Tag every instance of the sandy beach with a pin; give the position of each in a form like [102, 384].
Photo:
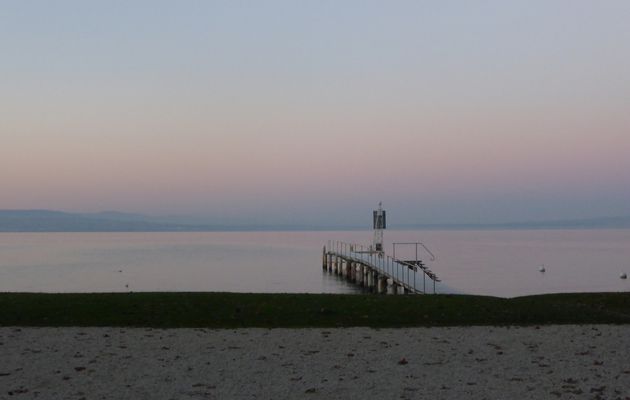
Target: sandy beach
[568, 362]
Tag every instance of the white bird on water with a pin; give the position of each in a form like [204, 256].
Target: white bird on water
[542, 268]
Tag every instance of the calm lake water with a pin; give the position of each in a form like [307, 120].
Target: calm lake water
[501, 263]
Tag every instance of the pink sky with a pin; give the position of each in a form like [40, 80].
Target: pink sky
[490, 113]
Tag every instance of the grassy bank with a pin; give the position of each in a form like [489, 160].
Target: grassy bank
[231, 310]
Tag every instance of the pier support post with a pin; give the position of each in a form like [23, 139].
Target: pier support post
[358, 274]
[371, 280]
[391, 286]
[330, 261]
[324, 259]
[382, 285]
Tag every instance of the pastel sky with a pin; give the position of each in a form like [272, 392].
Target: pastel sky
[313, 111]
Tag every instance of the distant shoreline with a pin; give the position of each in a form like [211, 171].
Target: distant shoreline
[322, 229]
[47, 221]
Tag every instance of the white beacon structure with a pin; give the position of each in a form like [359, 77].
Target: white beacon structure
[380, 223]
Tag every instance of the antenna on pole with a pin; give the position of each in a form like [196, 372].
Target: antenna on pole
[380, 224]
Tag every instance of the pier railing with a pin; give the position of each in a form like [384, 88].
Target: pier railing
[415, 277]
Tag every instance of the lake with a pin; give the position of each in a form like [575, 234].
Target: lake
[494, 262]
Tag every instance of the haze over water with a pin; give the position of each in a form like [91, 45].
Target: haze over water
[500, 263]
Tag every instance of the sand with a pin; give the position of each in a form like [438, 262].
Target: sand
[568, 362]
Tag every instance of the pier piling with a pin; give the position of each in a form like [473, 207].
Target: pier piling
[382, 284]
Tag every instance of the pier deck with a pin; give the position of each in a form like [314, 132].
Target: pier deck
[378, 271]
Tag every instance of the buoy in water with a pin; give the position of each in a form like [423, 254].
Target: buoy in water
[623, 275]
[542, 268]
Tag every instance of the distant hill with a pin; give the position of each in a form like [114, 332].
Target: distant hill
[117, 216]
[111, 221]
[56, 221]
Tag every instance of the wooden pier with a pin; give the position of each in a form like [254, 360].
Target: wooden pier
[378, 272]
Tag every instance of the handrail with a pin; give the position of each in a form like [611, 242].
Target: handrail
[433, 257]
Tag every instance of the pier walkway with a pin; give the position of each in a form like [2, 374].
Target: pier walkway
[378, 271]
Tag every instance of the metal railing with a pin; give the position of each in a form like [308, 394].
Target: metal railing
[409, 276]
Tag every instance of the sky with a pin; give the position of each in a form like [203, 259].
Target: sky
[312, 112]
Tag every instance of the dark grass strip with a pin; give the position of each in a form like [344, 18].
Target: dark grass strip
[234, 310]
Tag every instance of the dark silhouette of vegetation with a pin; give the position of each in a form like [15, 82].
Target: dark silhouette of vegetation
[232, 310]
